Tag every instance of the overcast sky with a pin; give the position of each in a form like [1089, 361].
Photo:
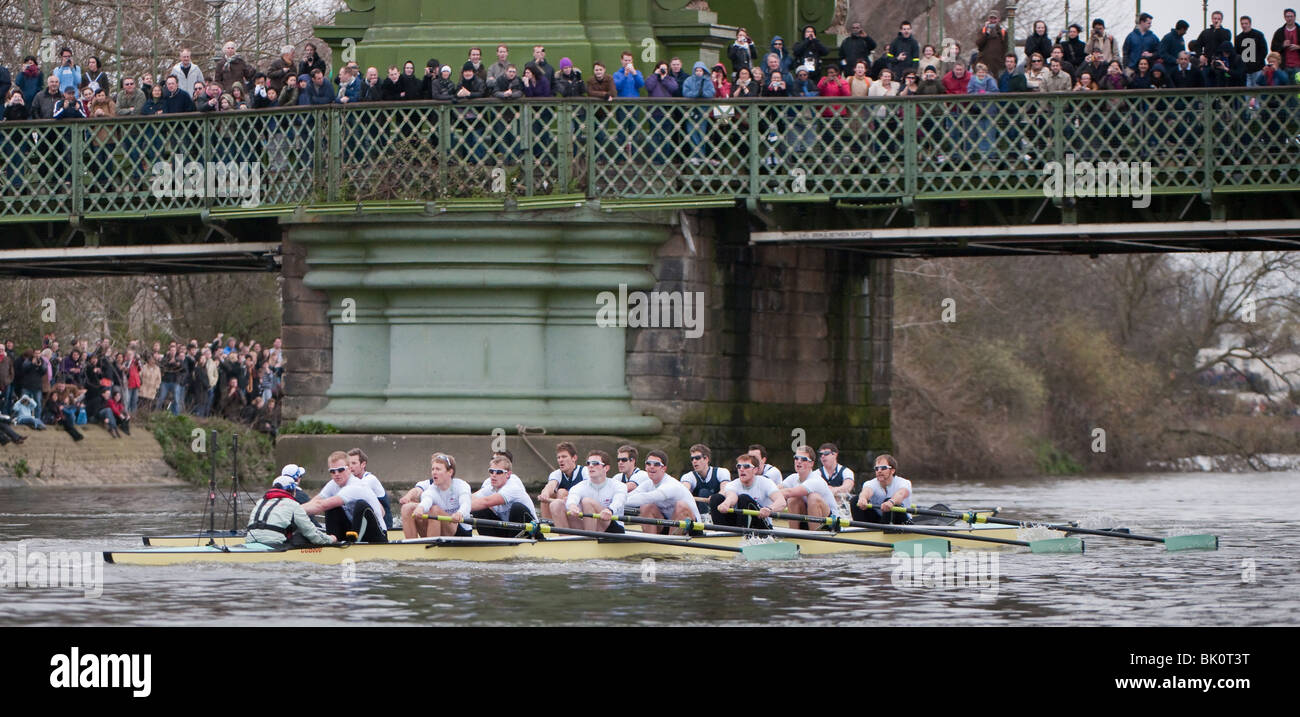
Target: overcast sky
[1267, 15]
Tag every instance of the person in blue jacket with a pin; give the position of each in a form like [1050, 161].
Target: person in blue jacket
[1141, 42]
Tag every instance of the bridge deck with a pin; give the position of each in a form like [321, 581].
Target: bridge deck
[644, 154]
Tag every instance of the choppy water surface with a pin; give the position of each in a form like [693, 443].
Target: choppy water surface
[1254, 579]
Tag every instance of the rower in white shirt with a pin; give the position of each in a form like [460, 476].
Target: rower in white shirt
[806, 492]
[502, 497]
[839, 478]
[357, 464]
[561, 480]
[749, 491]
[627, 469]
[762, 467]
[414, 526]
[704, 480]
[886, 490]
[447, 495]
[662, 496]
[348, 505]
[598, 494]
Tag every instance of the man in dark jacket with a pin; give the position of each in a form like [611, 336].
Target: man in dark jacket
[903, 43]
[1226, 69]
[810, 49]
[1250, 44]
[857, 46]
[174, 98]
[282, 70]
[677, 73]
[1185, 74]
[232, 68]
[1286, 42]
[1172, 44]
[509, 86]
[471, 85]
[542, 67]
[47, 99]
[318, 93]
[1211, 37]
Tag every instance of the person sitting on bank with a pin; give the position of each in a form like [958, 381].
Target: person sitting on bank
[279, 520]
[887, 489]
[348, 505]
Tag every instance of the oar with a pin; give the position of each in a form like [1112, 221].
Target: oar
[1054, 545]
[1202, 541]
[927, 546]
[766, 551]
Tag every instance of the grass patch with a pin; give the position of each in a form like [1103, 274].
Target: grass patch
[188, 448]
[308, 428]
[1053, 461]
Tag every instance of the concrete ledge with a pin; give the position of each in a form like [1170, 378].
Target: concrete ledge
[50, 458]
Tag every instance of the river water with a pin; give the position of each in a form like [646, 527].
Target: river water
[1253, 579]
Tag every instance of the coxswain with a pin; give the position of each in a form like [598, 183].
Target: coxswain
[295, 473]
[806, 492]
[663, 496]
[446, 495]
[598, 494]
[704, 480]
[628, 472]
[348, 505]
[502, 497]
[749, 491]
[357, 464]
[839, 478]
[279, 520]
[763, 468]
[561, 480]
[887, 489]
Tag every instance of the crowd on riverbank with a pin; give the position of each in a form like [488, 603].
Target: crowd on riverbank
[238, 380]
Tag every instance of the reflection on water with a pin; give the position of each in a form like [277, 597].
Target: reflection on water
[1114, 583]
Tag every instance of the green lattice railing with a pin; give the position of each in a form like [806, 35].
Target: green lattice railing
[647, 151]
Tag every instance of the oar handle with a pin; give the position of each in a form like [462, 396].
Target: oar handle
[901, 529]
[973, 518]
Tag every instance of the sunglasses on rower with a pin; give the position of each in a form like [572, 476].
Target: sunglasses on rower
[802, 458]
[654, 463]
[884, 468]
[745, 466]
[497, 471]
[337, 470]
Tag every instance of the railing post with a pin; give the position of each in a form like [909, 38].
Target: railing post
[589, 138]
[1058, 104]
[526, 142]
[910, 108]
[755, 148]
[76, 145]
[335, 154]
[1207, 149]
[442, 113]
[563, 146]
[206, 123]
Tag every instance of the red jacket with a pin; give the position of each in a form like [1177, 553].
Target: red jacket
[956, 85]
[118, 409]
[837, 88]
[133, 375]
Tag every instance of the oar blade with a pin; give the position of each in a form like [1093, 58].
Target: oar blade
[1192, 542]
[770, 551]
[921, 548]
[1056, 545]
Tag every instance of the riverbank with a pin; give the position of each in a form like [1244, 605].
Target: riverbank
[51, 459]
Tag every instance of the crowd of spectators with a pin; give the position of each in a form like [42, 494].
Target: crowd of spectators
[237, 380]
[1070, 61]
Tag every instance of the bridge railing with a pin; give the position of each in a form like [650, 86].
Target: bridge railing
[684, 151]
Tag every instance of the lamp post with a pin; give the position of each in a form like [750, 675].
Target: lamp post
[1011, 26]
[216, 6]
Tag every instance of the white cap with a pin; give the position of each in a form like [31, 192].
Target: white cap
[284, 483]
[293, 471]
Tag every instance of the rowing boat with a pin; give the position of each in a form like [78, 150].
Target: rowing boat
[484, 549]
[218, 537]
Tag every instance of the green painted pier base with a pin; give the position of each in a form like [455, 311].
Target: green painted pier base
[468, 324]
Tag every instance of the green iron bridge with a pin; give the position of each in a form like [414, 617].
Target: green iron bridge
[912, 176]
